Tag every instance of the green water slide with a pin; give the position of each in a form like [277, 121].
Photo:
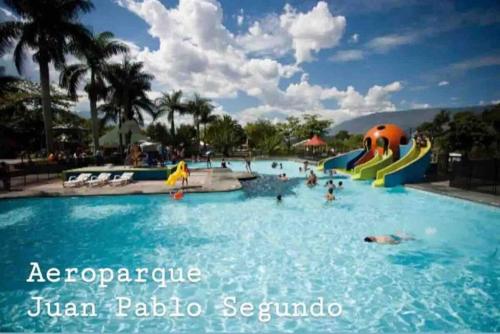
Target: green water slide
[376, 158]
[369, 170]
[410, 156]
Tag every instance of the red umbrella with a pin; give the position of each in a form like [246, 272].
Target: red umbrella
[315, 141]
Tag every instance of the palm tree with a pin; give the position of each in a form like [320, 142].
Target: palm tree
[170, 104]
[48, 27]
[95, 57]
[205, 118]
[199, 107]
[127, 94]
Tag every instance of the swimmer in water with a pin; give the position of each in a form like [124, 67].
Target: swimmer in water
[391, 239]
[178, 195]
[329, 195]
[279, 199]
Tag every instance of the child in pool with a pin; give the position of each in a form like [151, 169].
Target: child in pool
[329, 195]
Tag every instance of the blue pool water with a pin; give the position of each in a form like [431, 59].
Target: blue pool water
[248, 246]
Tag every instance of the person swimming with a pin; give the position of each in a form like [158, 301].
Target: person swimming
[330, 184]
[341, 185]
[279, 198]
[390, 239]
[329, 195]
[178, 195]
[312, 179]
[283, 177]
[223, 163]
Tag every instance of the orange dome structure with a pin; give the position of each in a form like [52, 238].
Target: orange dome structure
[383, 137]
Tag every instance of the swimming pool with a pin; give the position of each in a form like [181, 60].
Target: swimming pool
[248, 246]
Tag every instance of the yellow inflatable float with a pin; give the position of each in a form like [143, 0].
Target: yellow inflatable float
[180, 172]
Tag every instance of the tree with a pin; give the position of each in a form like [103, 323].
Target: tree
[313, 126]
[225, 134]
[200, 108]
[468, 131]
[49, 27]
[289, 130]
[258, 131]
[158, 132]
[21, 116]
[170, 104]
[206, 117]
[127, 94]
[95, 58]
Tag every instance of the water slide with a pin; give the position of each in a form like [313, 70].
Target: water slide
[341, 161]
[179, 173]
[369, 169]
[410, 168]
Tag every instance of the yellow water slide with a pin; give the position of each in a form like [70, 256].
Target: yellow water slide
[179, 173]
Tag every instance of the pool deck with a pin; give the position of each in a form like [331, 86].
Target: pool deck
[201, 180]
[443, 188]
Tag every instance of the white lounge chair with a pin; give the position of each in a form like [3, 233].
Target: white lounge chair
[100, 180]
[120, 180]
[77, 181]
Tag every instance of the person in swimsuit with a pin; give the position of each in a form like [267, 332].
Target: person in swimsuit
[390, 239]
[279, 199]
[177, 195]
[329, 195]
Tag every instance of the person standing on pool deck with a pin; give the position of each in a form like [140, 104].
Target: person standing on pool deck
[247, 164]
[209, 160]
[186, 179]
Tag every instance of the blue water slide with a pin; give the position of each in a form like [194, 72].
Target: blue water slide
[343, 160]
[413, 172]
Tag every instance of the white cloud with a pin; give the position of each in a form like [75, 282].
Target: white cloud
[388, 42]
[240, 19]
[474, 63]
[347, 55]
[354, 38]
[415, 105]
[304, 33]
[495, 102]
[7, 15]
[303, 97]
[197, 53]
[443, 83]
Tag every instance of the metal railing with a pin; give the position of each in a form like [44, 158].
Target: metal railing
[477, 175]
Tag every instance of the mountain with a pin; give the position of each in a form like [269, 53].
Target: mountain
[408, 120]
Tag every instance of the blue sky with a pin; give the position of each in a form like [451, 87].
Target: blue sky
[339, 58]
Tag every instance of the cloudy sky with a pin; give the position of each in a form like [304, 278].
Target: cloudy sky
[336, 58]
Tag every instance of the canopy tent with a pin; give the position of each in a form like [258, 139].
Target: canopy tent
[112, 139]
[315, 141]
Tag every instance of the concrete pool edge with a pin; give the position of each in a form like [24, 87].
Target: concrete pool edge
[201, 181]
[441, 189]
